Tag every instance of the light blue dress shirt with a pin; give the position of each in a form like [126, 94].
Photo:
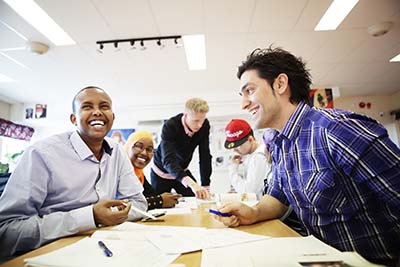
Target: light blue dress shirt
[52, 191]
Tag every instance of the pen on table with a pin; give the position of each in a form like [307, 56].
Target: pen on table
[105, 249]
[216, 212]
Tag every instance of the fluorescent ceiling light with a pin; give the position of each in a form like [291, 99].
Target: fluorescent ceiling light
[14, 30]
[195, 49]
[335, 14]
[14, 60]
[39, 19]
[395, 59]
[4, 78]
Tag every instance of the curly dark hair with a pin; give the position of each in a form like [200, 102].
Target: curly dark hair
[271, 62]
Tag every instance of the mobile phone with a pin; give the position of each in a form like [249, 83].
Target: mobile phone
[157, 215]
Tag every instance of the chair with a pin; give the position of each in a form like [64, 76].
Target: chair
[3, 181]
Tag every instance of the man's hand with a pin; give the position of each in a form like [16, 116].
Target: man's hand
[169, 199]
[237, 159]
[241, 214]
[105, 216]
[200, 192]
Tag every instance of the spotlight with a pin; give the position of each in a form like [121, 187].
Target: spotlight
[177, 44]
[133, 44]
[160, 45]
[142, 47]
[116, 47]
[100, 49]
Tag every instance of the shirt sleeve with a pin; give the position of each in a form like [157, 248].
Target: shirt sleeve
[168, 151]
[205, 157]
[22, 227]
[363, 150]
[274, 188]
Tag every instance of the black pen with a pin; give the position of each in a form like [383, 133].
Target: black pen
[105, 249]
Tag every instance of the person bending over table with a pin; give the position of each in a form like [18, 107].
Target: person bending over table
[180, 136]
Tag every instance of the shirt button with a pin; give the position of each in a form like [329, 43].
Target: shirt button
[97, 189]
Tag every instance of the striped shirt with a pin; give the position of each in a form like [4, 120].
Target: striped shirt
[341, 174]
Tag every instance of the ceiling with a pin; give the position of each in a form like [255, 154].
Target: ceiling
[154, 83]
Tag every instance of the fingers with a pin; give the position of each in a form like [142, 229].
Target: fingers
[203, 194]
[231, 221]
[104, 215]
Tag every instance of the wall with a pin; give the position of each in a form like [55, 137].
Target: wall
[381, 105]
[4, 110]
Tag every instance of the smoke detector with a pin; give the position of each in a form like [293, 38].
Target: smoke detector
[380, 28]
[37, 47]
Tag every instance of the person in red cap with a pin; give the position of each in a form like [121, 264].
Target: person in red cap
[250, 166]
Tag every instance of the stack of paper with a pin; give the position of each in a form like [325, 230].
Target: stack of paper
[179, 239]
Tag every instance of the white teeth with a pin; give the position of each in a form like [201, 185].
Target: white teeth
[94, 123]
[141, 159]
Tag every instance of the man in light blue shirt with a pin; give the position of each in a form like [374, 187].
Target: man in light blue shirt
[67, 183]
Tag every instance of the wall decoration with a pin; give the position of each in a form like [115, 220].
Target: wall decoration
[29, 113]
[321, 98]
[16, 131]
[120, 135]
[40, 111]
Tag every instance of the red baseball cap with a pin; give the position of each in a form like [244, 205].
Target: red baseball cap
[236, 133]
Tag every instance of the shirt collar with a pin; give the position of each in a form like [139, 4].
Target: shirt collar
[293, 125]
[187, 130]
[83, 150]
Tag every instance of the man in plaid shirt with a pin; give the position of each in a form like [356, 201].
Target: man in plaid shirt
[338, 170]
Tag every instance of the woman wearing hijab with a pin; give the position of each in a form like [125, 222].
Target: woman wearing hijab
[140, 149]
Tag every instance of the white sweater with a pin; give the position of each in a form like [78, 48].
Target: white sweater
[249, 176]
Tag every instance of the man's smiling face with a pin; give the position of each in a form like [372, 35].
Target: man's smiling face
[94, 116]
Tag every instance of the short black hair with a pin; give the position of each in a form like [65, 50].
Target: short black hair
[270, 62]
[80, 91]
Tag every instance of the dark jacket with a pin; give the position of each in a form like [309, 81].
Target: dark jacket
[175, 151]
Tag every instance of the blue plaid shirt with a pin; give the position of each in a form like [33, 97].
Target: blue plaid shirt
[341, 174]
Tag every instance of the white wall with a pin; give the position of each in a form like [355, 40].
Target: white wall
[4, 110]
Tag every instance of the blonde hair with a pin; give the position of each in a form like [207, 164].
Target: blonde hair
[196, 105]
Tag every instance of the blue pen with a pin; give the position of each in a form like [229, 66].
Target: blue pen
[216, 212]
[105, 249]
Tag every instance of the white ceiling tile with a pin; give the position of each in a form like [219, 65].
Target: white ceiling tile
[339, 45]
[79, 18]
[276, 15]
[228, 15]
[383, 47]
[128, 18]
[178, 16]
[369, 12]
[311, 14]
[306, 43]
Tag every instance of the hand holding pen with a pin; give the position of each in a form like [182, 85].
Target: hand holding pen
[105, 216]
[235, 214]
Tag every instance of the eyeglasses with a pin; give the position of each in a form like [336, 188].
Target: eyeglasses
[140, 147]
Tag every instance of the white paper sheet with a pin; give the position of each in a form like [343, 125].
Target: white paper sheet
[86, 252]
[277, 252]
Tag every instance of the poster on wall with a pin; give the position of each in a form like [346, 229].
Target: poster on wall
[120, 135]
[321, 98]
[40, 111]
[29, 113]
